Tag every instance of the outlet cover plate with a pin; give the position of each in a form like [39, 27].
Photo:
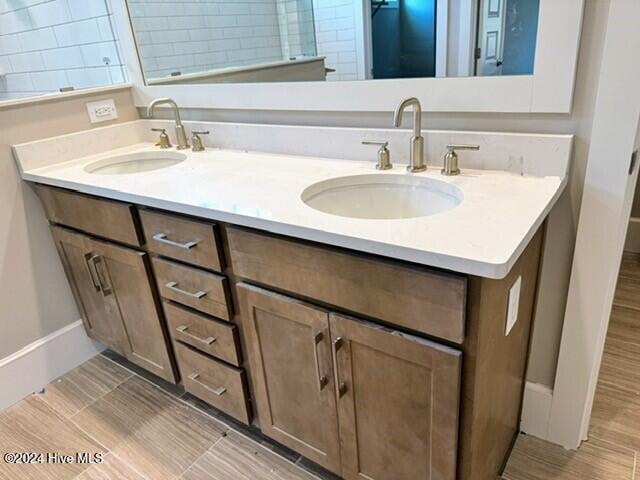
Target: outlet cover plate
[102, 111]
[514, 304]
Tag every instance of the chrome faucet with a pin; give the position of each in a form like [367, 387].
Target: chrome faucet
[181, 136]
[416, 160]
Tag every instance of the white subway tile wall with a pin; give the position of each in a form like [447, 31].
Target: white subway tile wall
[335, 24]
[190, 36]
[47, 45]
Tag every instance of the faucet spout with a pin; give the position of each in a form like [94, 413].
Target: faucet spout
[180, 132]
[416, 161]
[417, 114]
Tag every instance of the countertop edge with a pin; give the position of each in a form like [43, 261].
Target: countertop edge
[465, 266]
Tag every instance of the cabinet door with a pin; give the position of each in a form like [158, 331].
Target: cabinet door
[125, 276]
[290, 354]
[100, 316]
[398, 399]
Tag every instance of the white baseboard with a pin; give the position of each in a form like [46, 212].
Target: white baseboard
[32, 367]
[536, 410]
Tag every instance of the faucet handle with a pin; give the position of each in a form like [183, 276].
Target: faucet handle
[196, 141]
[384, 155]
[451, 158]
[462, 146]
[163, 139]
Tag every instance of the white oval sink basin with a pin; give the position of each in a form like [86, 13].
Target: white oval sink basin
[383, 196]
[137, 162]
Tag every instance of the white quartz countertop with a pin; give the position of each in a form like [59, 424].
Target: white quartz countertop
[482, 236]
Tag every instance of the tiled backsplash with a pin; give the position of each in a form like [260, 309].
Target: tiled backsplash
[46, 45]
[526, 154]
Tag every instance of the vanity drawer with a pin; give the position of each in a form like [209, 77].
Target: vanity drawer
[416, 298]
[194, 288]
[104, 218]
[187, 240]
[218, 339]
[220, 385]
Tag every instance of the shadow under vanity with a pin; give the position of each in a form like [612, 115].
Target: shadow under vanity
[370, 367]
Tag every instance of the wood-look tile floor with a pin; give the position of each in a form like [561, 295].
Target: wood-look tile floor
[145, 431]
[613, 449]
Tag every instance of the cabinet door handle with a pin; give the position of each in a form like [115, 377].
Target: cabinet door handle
[216, 391]
[183, 330]
[174, 286]
[322, 379]
[342, 386]
[105, 286]
[162, 238]
[88, 260]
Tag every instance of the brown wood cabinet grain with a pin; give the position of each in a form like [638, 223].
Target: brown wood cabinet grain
[127, 274]
[112, 287]
[218, 339]
[184, 239]
[99, 313]
[419, 299]
[195, 288]
[289, 347]
[219, 384]
[398, 403]
[97, 216]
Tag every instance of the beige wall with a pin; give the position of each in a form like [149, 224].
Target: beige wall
[35, 299]
[563, 220]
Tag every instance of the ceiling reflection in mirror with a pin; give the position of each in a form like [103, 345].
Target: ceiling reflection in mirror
[244, 41]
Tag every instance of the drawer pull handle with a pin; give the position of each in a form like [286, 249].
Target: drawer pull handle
[322, 379]
[183, 329]
[174, 286]
[88, 260]
[105, 285]
[216, 391]
[342, 386]
[162, 238]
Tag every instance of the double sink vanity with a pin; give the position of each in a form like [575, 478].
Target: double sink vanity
[376, 321]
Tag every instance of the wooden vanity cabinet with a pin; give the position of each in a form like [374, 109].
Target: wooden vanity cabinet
[97, 308]
[396, 396]
[398, 403]
[97, 216]
[425, 385]
[409, 408]
[289, 346]
[113, 292]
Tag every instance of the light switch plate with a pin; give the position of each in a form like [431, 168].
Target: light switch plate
[514, 304]
[102, 111]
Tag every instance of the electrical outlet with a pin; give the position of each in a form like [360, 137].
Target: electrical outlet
[102, 111]
[514, 304]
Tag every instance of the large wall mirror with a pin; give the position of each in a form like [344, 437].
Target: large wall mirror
[354, 55]
[248, 41]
